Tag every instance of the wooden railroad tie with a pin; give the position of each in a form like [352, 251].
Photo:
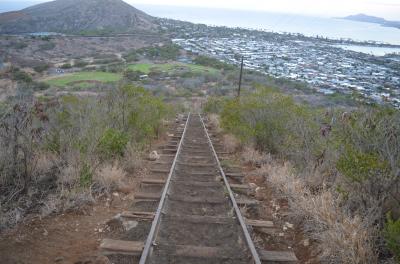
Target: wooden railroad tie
[277, 256]
[135, 248]
[197, 219]
[120, 247]
[169, 150]
[167, 155]
[154, 181]
[138, 215]
[148, 196]
[159, 170]
[194, 164]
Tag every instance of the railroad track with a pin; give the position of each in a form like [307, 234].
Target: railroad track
[187, 211]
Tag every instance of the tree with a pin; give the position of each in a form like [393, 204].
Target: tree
[132, 75]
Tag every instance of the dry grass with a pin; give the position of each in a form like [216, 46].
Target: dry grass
[52, 204]
[214, 122]
[231, 144]
[110, 177]
[253, 157]
[341, 238]
[44, 165]
[69, 174]
[132, 161]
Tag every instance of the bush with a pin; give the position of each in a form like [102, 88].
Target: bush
[358, 166]
[131, 56]
[41, 67]
[214, 105]
[167, 52]
[18, 75]
[80, 63]
[113, 143]
[132, 75]
[340, 237]
[66, 66]
[354, 154]
[392, 236]
[115, 68]
[85, 176]
[110, 177]
[68, 139]
[45, 38]
[214, 63]
[40, 86]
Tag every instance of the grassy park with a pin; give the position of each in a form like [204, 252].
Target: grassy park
[83, 78]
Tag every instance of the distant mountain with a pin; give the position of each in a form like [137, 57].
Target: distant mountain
[373, 19]
[73, 16]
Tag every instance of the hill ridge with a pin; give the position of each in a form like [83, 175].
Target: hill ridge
[373, 19]
[73, 16]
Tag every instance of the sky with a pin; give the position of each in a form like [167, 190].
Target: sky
[389, 9]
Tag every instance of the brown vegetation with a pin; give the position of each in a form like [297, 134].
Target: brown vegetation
[61, 154]
[343, 173]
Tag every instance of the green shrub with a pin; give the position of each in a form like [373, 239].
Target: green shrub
[18, 75]
[41, 67]
[359, 166]
[392, 236]
[113, 143]
[52, 142]
[132, 75]
[274, 122]
[40, 86]
[214, 105]
[115, 68]
[85, 176]
[45, 38]
[131, 56]
[354, 154]
[212, 62]
[80, 63]
[66, 66]
[167, 52]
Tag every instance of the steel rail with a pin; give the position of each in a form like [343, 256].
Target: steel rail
[249, 241]
[157, 217]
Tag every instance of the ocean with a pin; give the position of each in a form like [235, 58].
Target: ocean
[277, 22]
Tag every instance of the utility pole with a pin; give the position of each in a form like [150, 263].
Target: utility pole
[241, 75]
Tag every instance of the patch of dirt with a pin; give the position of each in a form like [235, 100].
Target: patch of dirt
[67, 238]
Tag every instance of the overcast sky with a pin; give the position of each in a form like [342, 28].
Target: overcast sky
[389, 9]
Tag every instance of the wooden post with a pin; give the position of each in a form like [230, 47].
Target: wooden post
[241, 75]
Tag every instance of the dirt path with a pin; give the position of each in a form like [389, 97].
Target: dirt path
[67, 238]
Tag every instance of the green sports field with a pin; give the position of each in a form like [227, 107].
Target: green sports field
[84, 79]
[88, 79]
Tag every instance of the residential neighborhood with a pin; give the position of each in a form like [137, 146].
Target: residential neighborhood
[323, 66]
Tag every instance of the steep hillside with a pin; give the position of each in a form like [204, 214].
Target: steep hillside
[76, 16]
